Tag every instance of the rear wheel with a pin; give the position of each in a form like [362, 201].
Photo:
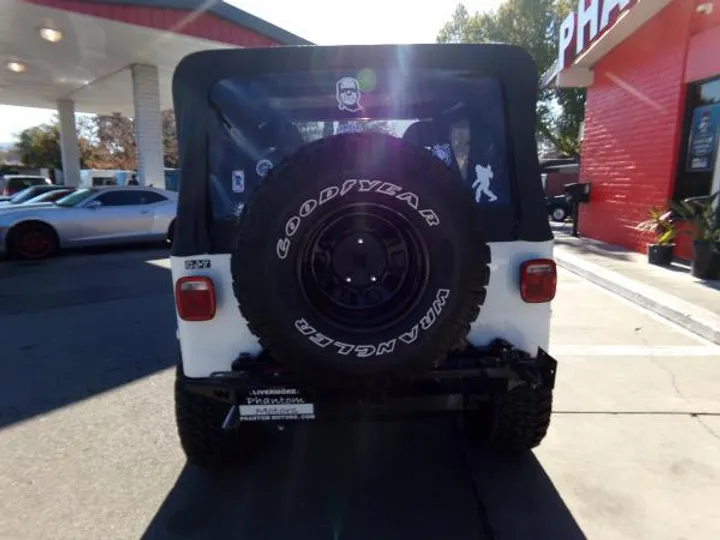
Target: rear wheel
[520, 419]
[205, 443]
[559, 214]
[32, 241]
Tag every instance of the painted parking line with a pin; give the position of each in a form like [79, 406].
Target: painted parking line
[640, 309]
[634, 350]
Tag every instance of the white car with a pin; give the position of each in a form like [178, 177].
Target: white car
[88, 217]
[28, 195]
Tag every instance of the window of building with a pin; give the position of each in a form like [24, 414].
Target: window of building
[699, 145]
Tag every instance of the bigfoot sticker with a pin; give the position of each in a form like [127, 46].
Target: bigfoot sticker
[348, 94]
[481, 185]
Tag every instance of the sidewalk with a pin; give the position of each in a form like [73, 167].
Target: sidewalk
[670, 292]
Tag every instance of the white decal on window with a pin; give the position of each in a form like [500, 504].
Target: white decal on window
[293, 224]
[481, 185]
[238, 181]
[385, 347]
[443, 153]
[263, 167]
[349, 127]
[348, 94]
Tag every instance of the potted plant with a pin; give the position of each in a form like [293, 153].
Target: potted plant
[702, 217]
[659, 223]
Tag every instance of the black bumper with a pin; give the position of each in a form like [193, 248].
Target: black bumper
[263, 392]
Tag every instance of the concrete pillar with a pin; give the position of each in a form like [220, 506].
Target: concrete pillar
[148, 135]
[68, 143]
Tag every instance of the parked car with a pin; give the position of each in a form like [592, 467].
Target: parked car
[558, 208]
[10, 184]
[89, 217]
[29, 193]
[50, 196]
[100, 177]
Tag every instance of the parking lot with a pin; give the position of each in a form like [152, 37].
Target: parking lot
[88, 447]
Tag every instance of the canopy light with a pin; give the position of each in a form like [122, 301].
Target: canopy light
[50, 34]
[15, 66]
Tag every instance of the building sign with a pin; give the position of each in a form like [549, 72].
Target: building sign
[579, 30]
[703, 138]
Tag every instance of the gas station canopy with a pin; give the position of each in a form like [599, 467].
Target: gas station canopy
[114, 56]
[99, 40]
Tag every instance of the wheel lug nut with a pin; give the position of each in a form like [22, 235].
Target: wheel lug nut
[360, 241]
[373, 278]
[348, 279]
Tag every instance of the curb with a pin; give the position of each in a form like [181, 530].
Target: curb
[686, 315]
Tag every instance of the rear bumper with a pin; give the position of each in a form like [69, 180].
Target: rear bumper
[262, 392]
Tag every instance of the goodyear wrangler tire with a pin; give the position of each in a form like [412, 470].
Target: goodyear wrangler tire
[360, 255]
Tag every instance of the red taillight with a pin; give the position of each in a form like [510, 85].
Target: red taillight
[538, 280]
[195, 298]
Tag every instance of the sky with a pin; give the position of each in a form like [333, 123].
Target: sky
[322, 22]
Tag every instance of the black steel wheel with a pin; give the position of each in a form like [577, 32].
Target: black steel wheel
[363, 267]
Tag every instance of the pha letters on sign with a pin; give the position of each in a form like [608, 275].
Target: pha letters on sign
[580, 29]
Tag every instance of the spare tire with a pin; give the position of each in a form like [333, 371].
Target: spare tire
[360, 254]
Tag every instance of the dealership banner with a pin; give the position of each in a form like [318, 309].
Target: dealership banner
[703, 138]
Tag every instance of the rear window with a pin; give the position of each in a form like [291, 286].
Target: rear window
[458, 116]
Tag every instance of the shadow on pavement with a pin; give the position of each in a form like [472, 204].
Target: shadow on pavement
[367, 481]
[74, 327]
[521, 499]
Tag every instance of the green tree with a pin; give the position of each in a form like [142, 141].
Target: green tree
[533, 25]
[169, 136]
[115, 141]
[39, 146]
[104, 142]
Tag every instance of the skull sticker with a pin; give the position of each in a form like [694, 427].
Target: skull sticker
[348, 94]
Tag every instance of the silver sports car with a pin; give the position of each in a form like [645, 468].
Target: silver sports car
[89, 217]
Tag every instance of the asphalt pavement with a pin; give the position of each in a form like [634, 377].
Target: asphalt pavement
[88, 447]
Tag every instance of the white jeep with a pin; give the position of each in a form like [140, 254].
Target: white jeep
[361, 233]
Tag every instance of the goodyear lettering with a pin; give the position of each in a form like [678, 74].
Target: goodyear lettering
[292, 225]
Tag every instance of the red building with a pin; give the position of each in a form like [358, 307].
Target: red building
[652, 116]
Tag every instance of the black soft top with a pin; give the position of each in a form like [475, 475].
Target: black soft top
[197, 94]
